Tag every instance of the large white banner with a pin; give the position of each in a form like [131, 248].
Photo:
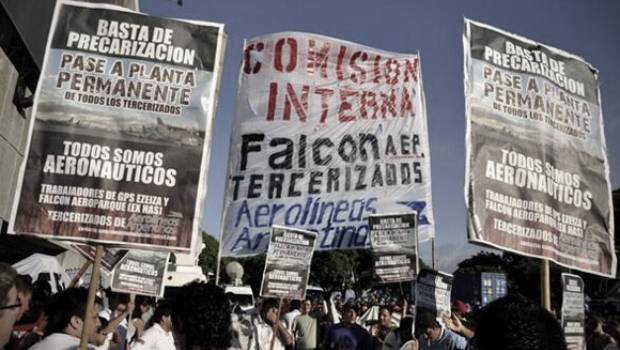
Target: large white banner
[537, 179]
[326, 133]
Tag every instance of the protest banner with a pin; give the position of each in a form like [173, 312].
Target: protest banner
[432, 292]
[573, 311]
[119, 142]
[537, 176]
[141, 272]
[287, 266]
[109, 259]
[394, 247]
[493, 285]
[326, 132]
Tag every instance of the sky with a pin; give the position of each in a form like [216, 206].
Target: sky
[586, 28]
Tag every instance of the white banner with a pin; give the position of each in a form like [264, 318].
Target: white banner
[326, 133]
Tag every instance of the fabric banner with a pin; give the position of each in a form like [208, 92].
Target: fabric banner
[326, 133]
[573, 311]
[119, 142]
[141, 272]
[394, 247]
[109, 259]
[537, 176]
[432, 292]
[287, 267]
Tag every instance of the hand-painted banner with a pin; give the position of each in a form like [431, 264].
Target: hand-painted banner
[326, 133]
[573, 311]
[432, 292]
[141, 272]
[109, 259]
[537, 179]
[120, 137]
[394, 247]
[287, 267]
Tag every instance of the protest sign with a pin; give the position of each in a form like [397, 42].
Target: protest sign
[118, 145]
[573, 311]
[141, 272]
[287, 266]
[537, 178]
[326, 133]
[493, 285]
[432, 292]
[394, 247]
[110, 257]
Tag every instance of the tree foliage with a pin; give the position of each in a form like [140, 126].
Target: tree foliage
[207, 259]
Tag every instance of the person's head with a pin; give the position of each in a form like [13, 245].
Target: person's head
[24, 293]
[295, 305]
[460, 308]
[118, 303]
[66, 313]
[202, 316]
[427, 324]
[385, 317]
[163, 316]
[269, 309]
[516, 323]
[306, 306]
[349, 314]
[145, 303]
[594, 325]
[612, 327]
[99, 337]
[9, 302]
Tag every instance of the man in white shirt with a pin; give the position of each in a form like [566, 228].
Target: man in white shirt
[65, 321]
[290, 316]
[264, 328]
[159, 336]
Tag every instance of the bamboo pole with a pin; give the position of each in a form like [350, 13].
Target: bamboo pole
[90, 303]
[275, 326]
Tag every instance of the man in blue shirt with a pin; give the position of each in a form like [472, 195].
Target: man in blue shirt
[347, 335]
[435, 336]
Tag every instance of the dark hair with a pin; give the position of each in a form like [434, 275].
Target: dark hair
[425, 319]
[202, 316]
[23, 285]
[387, 308]
[295, 304]
[64, 305]
[8, 277]
[349, 306]
[164, 308]
[116, 299]
[103, 324]
[268, 304]
[516, 323]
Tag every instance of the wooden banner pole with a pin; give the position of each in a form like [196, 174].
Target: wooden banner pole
[275, 325]
[80, 273]
[545, 285]
[434, 262]
[90, 304]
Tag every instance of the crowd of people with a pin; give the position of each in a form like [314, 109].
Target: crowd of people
[202, 316]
